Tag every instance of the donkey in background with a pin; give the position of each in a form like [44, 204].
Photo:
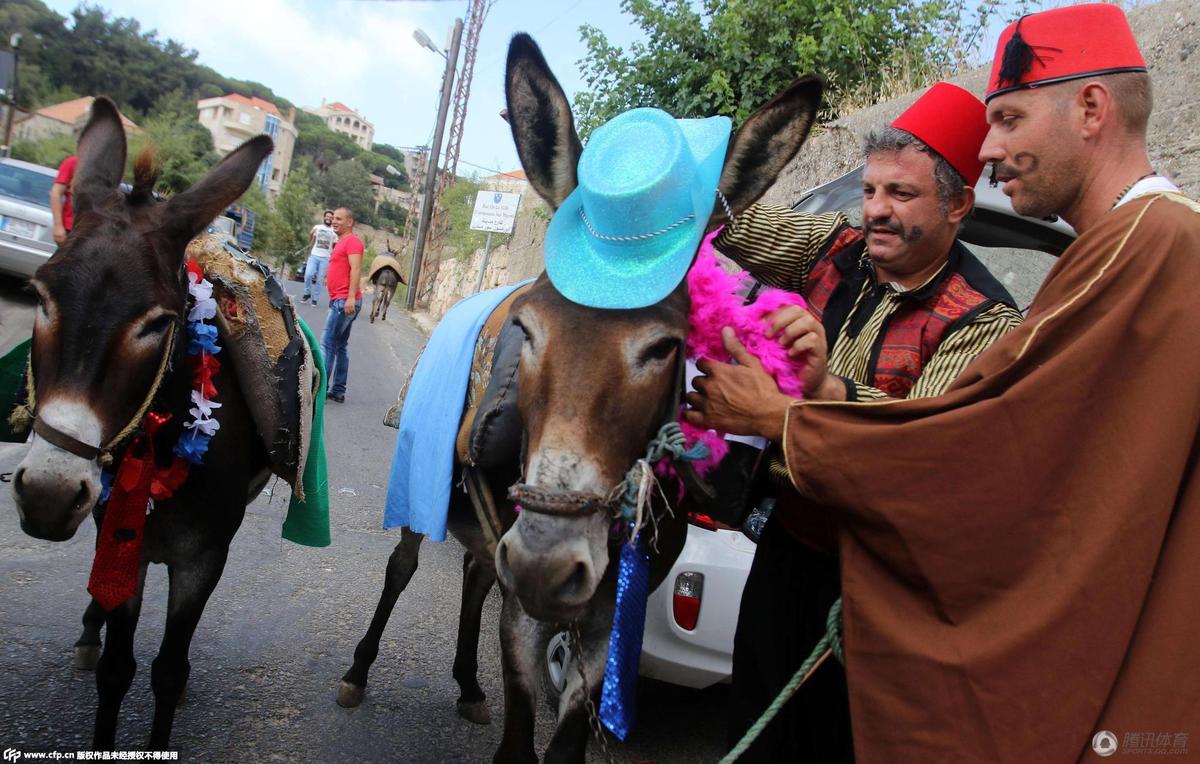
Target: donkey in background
[107, 300]
[594, 387]
[386, 279]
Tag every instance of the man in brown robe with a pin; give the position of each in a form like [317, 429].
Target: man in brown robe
[1021, 555]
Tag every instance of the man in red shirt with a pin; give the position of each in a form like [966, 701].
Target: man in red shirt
[345, 265]
[60, 199]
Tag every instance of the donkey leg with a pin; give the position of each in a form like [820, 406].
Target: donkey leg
[477, 582]
[400, 568]
[519, 637]
[570, 740]
[116, 667]
[87, 647]
[387, 302]
[375, 305]
[191, 584]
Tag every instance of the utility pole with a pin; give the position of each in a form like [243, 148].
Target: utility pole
[431, 174]
[15, 42]
[477, 11]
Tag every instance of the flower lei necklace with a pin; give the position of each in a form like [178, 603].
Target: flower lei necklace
[131, 487]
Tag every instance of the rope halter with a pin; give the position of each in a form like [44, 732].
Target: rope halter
[622, 502]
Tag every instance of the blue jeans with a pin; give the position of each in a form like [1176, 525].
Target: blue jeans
[335, 343]
[314, 276]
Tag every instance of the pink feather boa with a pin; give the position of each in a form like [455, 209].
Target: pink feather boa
[717, 302]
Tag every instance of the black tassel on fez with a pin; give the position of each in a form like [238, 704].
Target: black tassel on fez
[1018, 58]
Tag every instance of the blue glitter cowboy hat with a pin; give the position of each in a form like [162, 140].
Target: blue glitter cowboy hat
[626, 235]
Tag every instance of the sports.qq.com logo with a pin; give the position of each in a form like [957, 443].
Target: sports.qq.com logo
[1104, 743]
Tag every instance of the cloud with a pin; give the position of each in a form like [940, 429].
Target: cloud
[350, 52]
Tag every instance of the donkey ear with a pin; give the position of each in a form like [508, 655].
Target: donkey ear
[189, 212]
[101, 157]
[542, 125]
[767, 141]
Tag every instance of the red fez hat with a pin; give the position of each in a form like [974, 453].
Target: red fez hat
[1064, 44]
[952, 122]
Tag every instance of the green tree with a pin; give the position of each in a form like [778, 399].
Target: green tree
[294, 211]
[459, 203]
[100, 54]
[182, 146]
[716, 57]
[48, 152]
[390, 216]
[346, 184]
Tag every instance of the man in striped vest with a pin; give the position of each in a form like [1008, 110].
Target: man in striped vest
[898, 308]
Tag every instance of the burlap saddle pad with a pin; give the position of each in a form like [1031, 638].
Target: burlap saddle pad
[260, 336]
[384, 261]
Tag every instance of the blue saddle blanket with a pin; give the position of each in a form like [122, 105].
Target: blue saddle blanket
[418, 494]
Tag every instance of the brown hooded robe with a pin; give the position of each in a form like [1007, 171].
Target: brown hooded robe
[1021, 556]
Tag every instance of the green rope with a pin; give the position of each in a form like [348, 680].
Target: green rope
[830, 643]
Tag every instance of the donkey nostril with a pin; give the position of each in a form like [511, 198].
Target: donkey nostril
[573, 586]
[502, 557]
[82, 497]
[19, 481]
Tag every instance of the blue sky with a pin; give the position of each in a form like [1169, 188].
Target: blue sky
[362, 52]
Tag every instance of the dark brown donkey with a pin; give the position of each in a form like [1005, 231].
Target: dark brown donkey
[107, 301]
[594, 387]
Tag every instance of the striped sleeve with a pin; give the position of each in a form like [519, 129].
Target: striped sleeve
[955, 352]
[777, 245]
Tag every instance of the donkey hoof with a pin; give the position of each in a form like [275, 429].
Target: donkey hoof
[349, 695]
[476, 712]
[86, 657]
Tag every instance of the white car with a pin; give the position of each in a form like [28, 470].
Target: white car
[26, 223]
[691, 618]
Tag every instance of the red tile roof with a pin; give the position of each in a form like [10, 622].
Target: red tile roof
[77, 110]
[255, 102]
[514, 174]
[339, 106]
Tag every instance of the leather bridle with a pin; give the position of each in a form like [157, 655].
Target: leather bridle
[576, 504]
[103, 454]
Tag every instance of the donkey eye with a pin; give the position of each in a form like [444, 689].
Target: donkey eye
[158, 325]
[524, 330]
[660, 350]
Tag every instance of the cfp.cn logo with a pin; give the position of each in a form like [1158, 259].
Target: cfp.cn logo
[11, 754]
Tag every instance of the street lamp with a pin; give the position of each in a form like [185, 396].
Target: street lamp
[424, 41]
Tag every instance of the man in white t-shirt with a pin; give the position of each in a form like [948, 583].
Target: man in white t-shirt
[322, 237]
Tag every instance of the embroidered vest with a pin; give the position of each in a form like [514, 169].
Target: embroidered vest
[925, 317]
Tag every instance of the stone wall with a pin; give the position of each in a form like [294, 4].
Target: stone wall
[519, 259]
[1168, 33]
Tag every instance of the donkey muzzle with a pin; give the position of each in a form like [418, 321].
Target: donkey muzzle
[553, 563]
[56, 489]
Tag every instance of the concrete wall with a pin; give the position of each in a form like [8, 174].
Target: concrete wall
[1169, 35]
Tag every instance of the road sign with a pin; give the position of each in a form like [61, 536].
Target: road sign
[495, 212]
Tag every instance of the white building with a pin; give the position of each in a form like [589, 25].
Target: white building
[342, 119]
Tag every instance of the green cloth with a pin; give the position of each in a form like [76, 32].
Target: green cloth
[307, 521]
[12, 389]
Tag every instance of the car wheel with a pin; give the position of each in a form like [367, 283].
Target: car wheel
[557, 668]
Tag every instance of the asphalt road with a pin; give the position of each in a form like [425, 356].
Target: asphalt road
[281, 627]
